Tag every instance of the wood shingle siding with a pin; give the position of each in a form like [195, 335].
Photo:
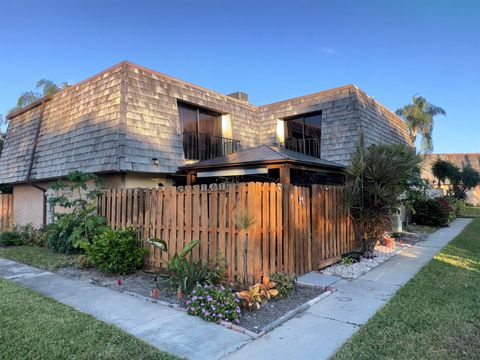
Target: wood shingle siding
[122, 118]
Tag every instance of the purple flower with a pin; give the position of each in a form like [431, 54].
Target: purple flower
[194, 298]
[194, 291]
[219, 315]
[207, 313]
[192, 309]
[237, 300]
[209, 298]
[188, 302]
[237, 321]
[222, 288]
[213, 307]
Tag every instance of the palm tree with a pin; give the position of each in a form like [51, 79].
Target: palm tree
[419, 118]
[376, 177]
[47, 87]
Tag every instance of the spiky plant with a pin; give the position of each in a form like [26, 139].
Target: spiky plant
[47, 88]
[243, 222]
[376, 177]
[419, 118]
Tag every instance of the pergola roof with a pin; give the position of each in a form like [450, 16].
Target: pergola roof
[263, 155]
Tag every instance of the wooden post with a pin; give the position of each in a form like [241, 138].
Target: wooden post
[190, 178]
[285, 174]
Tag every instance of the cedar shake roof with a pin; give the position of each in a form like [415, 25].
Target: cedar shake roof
[261, 155]
[124, 117]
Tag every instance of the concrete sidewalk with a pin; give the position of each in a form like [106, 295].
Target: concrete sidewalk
[323, 328]
[164, 327]
[313, 334]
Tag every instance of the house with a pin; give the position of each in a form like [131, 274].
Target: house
[461, 161]
[137, 127]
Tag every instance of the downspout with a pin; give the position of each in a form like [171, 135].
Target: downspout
[32, 158]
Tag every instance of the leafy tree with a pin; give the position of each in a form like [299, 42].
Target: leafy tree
[376, 177]
[47, 88]
[459, 181]
[419, 118]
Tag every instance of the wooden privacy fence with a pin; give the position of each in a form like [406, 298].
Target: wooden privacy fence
[295, 229]
[6, 212]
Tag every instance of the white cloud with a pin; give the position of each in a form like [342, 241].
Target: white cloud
[327, 50]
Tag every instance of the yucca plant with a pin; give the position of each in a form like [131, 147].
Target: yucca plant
[376, 177]
[243, 222]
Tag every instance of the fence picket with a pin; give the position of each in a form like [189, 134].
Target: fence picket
[296, 229]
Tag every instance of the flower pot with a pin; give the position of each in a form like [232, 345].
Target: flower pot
[389, 242]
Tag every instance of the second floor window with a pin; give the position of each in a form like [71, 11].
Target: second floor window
[202, 133]
[198, 120]
[303, 133]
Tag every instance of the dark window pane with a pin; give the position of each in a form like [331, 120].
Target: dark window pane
[209, 124]
[294, 129]
[188, 118]
[313, 126]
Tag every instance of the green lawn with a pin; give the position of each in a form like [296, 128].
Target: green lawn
[35, 327]
[37, 256]
[471, 211]
[434, 316]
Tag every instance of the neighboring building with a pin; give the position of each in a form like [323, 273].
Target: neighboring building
[460, 160]
[136, 127]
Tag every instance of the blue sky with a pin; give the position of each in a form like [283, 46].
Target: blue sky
[272, 50]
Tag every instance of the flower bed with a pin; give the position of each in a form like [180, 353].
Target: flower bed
[139, 283]
[256, 320]
[348, 270]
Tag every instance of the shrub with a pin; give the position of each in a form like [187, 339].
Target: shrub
[11, 238]
[214, 303]
[457, 205]
[83, 262]
[115, 251]
[432, 212]
[285, 283]
[217, 271]
[77, 224]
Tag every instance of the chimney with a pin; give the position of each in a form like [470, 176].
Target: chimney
[239, 95]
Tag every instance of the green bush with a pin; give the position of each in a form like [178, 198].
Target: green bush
[11, 238]
[77, 223]
[187, 274]
[115, 251]
[432, 212]
[457, 205]
[217, 271]
[213, 303]
[285, 283]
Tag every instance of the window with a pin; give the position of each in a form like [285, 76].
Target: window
[303, 133]
[202, 133]
[198, 120]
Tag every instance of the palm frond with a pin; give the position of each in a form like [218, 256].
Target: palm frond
[48, 87]
[27, 98]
